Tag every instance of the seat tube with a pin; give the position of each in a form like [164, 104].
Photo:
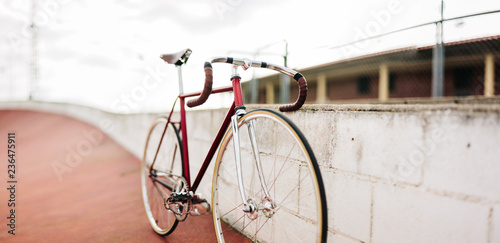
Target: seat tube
[185, 152]
[185, 166]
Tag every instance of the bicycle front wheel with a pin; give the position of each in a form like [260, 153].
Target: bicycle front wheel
[289, 198]
[157, 181]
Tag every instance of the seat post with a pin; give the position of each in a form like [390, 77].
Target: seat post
[179, 74]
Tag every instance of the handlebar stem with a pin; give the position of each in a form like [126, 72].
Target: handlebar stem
[234, 72]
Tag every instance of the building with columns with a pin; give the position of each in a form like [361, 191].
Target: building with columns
[471, 69]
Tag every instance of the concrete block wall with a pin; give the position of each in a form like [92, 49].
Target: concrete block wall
[393, 173]
[408, 173]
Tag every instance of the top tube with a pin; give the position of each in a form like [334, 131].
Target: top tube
[214, 91]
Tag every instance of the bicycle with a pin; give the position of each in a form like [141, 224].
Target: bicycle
[266, 182]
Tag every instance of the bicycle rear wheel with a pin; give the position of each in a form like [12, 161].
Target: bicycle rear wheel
[166, 168]
[291, 175]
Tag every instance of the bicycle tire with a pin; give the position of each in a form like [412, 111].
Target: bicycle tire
[292, 177]
[168, 161]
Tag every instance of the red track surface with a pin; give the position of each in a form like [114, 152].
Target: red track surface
[74, 184]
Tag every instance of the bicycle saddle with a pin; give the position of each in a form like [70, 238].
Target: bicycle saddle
[177, 58]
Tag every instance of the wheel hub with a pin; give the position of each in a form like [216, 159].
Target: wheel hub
[268, 207]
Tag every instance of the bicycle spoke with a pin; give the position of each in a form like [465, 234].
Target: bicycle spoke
[256, 232]
[235, 207]
[231, 226]
[279, 172]
[281, 203]
[244, 226]
[289, 233]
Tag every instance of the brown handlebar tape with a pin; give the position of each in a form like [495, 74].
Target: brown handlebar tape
[300, 100]
[207, 89]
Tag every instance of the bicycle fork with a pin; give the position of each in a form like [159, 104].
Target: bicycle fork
[249, 205]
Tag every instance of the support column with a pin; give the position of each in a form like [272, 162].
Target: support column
[254, 87]
[383, 83]
[269, 93]
[489, 75]
[285, 89]
[438, 60]
[321, 89]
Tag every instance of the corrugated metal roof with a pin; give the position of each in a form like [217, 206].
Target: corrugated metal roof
[468, 41]
[397, 51]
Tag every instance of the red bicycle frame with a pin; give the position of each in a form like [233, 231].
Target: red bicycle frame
[238, 102]
[180, 58]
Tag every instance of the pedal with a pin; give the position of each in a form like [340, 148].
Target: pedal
[180, 204]
[200, 206]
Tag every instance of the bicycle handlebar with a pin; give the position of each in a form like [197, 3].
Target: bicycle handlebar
[246, 63]
[207, 89]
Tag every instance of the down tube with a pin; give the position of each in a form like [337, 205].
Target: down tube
[213, 148]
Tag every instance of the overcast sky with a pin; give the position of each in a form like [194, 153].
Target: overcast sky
[105, 53]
